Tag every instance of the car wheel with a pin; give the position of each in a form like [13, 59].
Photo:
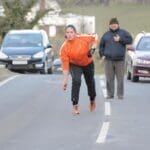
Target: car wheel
[134, 78]
[45, 68]
[128, 75]
[50, 70]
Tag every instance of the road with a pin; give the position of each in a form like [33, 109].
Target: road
[35, 114]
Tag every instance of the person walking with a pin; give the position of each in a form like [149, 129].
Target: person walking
[112, 49]
[76, 56]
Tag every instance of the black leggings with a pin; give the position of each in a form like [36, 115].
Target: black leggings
[76, 73]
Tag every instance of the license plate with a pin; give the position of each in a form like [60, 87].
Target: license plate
[20, 62]
[2, 66]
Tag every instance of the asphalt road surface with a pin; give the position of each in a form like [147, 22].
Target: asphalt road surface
[35, 114]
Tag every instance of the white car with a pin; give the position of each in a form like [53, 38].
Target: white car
[138, 57]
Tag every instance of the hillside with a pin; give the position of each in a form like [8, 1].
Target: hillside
[101, 2]
[134, 18]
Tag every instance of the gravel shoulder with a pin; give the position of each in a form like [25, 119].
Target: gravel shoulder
[5, 73]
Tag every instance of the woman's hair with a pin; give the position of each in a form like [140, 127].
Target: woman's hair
[71, 26]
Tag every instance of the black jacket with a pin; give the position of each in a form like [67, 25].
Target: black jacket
[114, 50]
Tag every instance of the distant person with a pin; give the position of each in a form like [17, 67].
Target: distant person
[76, 55]
[113, 48]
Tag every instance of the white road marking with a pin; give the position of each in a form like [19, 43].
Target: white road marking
[103, 85]
[104, 92]
[103, 133]
[102, 82]
[102, 77]
[105, 126]
[107, 109]
[7, 80]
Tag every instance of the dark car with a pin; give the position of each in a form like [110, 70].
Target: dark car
[138, 58]
[27, 50]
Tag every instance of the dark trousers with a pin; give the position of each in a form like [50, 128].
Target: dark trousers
[76, 73]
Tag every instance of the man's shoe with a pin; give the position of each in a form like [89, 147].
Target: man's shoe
[75, 110]
[109, 97]
[92, 106]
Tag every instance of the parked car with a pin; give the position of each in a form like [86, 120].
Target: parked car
[57, 68]
[138, 57]
[27, 50]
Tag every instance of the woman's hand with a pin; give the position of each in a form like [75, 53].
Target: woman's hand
[65, 83]
[65, 80]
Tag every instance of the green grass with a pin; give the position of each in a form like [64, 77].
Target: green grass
[134, 18]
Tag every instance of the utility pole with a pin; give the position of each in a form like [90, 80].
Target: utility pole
[42, 9]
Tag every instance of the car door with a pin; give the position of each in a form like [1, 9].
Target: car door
[50, 55]
[48, 52]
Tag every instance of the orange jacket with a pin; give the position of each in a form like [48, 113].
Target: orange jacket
[75, 51]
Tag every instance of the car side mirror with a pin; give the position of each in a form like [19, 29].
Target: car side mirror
[130, 48]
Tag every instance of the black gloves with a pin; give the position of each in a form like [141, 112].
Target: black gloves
[91, 52]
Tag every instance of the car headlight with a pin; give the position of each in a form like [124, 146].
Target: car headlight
[39, 55]
[139, 61]
[142, 61]
[3, 55]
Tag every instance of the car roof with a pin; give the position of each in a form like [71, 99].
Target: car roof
[143, 34]
[25, 31]
[147, 34]
[139, 36]
[30, 31]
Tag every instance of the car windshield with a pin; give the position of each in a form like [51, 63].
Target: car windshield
[144, 44]
[23, 40]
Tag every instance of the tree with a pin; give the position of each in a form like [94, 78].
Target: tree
[15, 12]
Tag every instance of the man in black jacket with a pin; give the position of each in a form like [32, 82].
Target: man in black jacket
[113, 48]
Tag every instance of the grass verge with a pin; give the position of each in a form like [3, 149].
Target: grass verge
[5, 73]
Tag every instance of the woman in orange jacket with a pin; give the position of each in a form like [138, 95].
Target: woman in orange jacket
[76, 56]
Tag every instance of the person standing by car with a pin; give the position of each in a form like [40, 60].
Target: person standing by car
[76, 56]
[112, 48]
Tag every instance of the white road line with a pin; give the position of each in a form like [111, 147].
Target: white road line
[104, 92]
[102, 82]
[102, 77]
[7, 80]
[105, 126]
[107, 109]
[103, 85]
[103, 133]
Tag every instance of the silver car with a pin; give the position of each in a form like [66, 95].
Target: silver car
[27, 50]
